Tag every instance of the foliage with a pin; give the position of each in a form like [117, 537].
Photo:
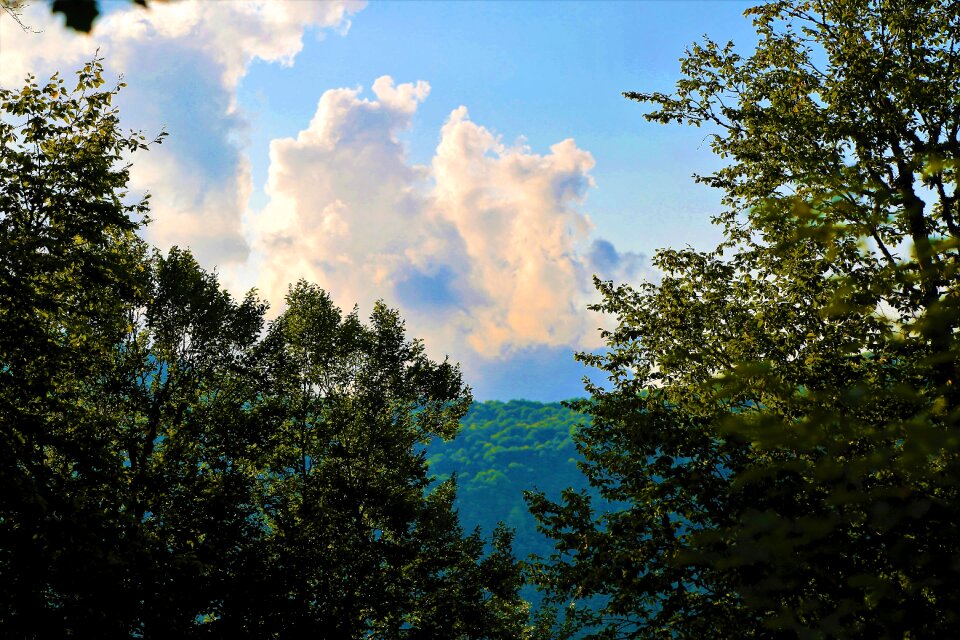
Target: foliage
[783, 414]
[70, 265]
[504, 448]
[175, 468]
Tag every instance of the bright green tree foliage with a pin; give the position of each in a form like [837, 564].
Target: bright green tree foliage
[504, 448]
[783, 413]
[172, 467]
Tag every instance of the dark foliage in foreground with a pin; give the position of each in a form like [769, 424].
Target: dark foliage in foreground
[782, 422]
[171, 466]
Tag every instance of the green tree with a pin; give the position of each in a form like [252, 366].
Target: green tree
[356, 543]
[189, 443]
[172, 467]
[502, 449]
[782, 415]
[70, 265]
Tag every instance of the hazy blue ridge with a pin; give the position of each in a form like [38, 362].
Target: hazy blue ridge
[503, 449]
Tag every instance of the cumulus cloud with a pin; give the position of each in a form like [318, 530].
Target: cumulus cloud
[345, 206]
[487, 250]
[183, 62]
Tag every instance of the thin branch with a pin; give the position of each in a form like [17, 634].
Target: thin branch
[13, 8]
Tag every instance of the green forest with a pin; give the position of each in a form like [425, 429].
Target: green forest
[774, 452]
[502, 450]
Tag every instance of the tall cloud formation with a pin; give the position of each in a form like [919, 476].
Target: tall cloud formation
[183, 62]
[486, 247]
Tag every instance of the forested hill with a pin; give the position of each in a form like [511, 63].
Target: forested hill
[503, 449]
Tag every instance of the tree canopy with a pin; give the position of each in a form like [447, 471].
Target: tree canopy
[782, 415]
[502, 449]
[174, 465]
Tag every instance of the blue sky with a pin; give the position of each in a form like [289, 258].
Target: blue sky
[543, 71]
[473, 164]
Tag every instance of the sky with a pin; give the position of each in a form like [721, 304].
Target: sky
[472, 164]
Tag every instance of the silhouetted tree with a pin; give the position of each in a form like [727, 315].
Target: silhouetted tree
[172, 467]
[782, 418]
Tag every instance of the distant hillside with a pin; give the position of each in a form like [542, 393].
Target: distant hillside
[504, 448]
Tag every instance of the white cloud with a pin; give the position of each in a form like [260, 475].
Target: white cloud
[345, 206]
[516, 212]
[487, 251]
[229, 34]
[182, 62]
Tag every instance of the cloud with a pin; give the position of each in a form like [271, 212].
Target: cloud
[604, 258]
[486, 250]
[182, 62]
[544, 374]
[345, 207]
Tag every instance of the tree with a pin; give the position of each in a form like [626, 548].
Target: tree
[782, 417]
[356, 543]
[69, 267]
[188, 443]
[173, 466]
